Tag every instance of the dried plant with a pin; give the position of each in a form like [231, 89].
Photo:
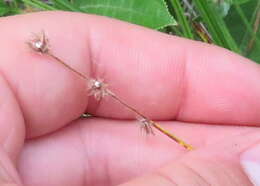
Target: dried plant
[99, 89]
[39, 43]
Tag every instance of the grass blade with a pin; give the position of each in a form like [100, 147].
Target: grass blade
[65, 5]
[247, 41]
[216, 25]
[38, 4]
[181, 19]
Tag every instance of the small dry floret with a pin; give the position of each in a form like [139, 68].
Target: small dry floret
[97, 88]
[146, 125]
[39, 43]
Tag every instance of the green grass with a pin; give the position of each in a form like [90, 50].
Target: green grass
[232, 24]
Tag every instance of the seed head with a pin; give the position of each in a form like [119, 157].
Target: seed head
[97, 88]
[146, 125]
[39, 43]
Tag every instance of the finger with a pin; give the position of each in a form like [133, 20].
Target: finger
[48, 94]
[110, 152]
[11, 122]
[8, 173]
[217, 164]
[11, 135]
[195, 169]
[161, 75]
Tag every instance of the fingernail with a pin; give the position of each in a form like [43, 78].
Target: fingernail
[250, 162]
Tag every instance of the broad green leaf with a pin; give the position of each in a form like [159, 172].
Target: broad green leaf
[149, 13]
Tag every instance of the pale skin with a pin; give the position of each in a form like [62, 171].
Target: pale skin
[185, 84]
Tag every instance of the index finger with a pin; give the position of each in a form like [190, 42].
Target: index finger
[163, 76]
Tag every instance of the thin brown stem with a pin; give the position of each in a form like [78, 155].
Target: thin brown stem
[173, 137]
[67, 66]
[154, 124]
[111, 94]
[255, 30]
[126, 105]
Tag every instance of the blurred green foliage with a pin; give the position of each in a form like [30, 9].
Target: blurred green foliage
[232, 24]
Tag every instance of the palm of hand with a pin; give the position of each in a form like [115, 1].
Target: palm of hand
[178, 85]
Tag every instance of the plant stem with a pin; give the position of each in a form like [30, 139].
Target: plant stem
[38, 4]
[216, 25]
[247, 24]
[176, 139]
[111, 94]
[182, 20]
[67, 66]
[154, 124]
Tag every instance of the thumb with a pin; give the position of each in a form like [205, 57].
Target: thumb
[250, 161]
[8, 173]
[192, 170]
[233, 162]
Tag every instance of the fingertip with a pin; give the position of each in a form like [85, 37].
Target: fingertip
[49, 95]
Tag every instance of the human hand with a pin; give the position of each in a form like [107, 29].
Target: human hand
[204, 88]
